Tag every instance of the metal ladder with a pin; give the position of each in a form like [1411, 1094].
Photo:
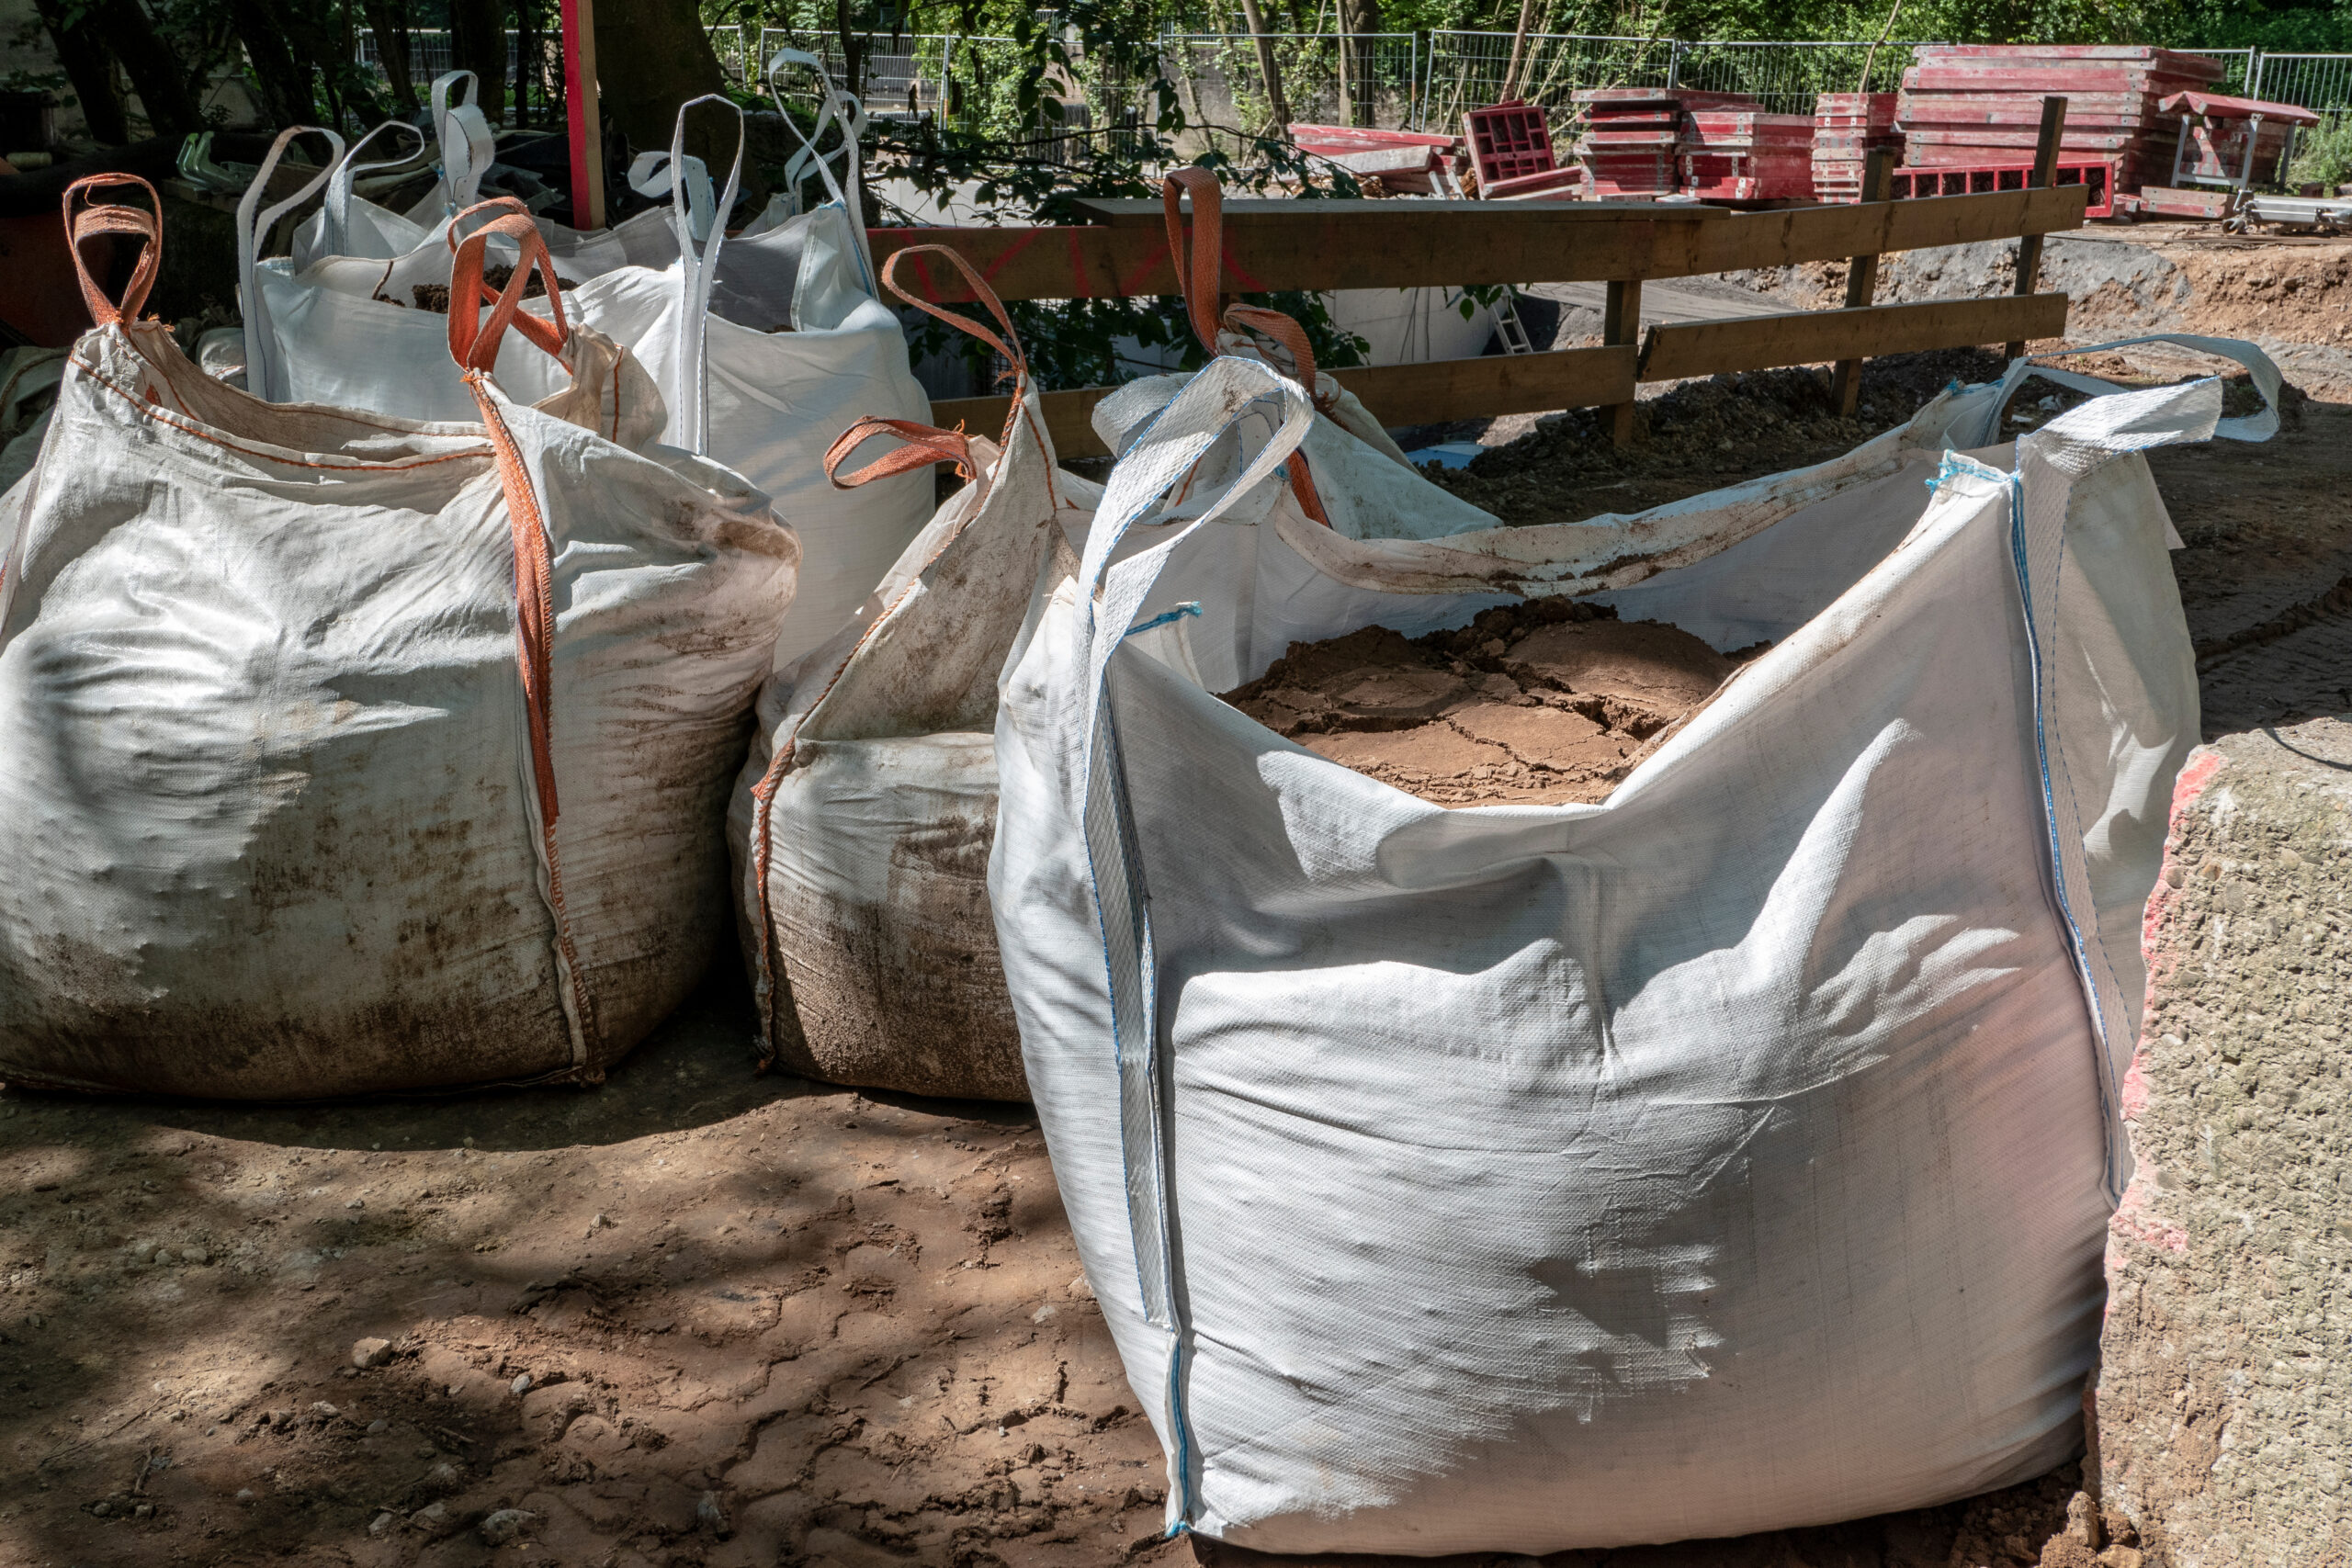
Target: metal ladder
[1510, 328]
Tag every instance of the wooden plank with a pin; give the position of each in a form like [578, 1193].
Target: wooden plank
[1131, 212]
[1807, 337]
[1398, 244]
[1620, 324]
[2045, 173]
[1397, 395]
[1833, 233]
[1501, 383]
[1861, 282]
[1303, 248]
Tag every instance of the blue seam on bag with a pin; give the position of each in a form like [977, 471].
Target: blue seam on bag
[2077, 950]
[1190, 607]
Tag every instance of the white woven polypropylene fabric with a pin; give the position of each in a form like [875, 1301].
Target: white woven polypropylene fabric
[1730, 1156]
[793, 348]
[272, 821]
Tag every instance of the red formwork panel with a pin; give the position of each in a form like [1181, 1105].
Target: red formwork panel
[1508, 141]
[2100, 174]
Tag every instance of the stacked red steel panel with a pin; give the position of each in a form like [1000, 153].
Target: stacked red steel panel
[1633, 137]
[1746, 155]
[1627, 149]
[1964, 105]
[1847, 129]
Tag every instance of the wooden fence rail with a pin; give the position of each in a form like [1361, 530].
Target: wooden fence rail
[1323, 245]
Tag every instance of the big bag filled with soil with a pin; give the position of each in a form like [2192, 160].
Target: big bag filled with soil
[351, 754]
[1731, 1155]
[861, 823]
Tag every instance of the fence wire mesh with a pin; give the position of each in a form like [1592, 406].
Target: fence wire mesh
[2320, 82]
[1786, 77]
[1420, 81]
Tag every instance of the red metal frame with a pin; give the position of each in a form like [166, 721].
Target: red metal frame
[1510, 140]
[1964, 179]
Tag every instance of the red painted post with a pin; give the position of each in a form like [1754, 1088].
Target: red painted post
[587, 125]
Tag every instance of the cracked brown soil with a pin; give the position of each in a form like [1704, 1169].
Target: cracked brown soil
[1541, 704]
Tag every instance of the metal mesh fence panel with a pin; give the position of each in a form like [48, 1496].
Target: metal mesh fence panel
[1467, 70]
[1786, 77]
[2321, 83]
[1362, 78]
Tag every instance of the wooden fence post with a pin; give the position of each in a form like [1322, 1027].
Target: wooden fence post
[2045, 172]
[1621, 324]
[1862, 281]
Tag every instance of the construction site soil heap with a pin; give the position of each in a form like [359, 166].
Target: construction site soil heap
[1548, 703]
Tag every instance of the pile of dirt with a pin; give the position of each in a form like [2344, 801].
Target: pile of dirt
[434, 296]
[1701, 436]
[1541, 704]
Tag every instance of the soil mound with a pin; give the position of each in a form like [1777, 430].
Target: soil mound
[1541, 704]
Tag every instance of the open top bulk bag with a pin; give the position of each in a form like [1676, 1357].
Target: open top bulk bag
[766, 345]
[349, 754]
[1730, 1156]
[348, 224]
[861, 823]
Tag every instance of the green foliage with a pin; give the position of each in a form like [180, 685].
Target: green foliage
[2324, 156]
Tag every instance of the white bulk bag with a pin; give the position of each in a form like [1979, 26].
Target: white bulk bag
[348, 224]
[349, 754]
[1730, 1156]
[765, 403]
[862, 822]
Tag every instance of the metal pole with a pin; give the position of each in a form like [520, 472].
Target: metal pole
[2045, 173]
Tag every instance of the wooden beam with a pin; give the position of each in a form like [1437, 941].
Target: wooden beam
[2045, 173]
[1145, 212]
[1068, 418]
[1404, 244]
[1832, 233]
[1809, 337]
[1620, 324]
[1396, 394]
[1861, 282]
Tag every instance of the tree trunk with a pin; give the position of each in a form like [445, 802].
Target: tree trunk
[284, 82]
[89, 68]
[388, 19]
[1267, 68]
[478, 43]
[852, 51]
[1362, 20]
[1517, 50]
[652, 56]
[153, 68]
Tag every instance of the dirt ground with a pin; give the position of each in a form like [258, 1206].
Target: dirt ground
[762, 1321]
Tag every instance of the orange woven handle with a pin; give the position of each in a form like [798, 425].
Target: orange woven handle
[1199, 275]
[925, 445]
[1008, 345]
[1285, 331]
[473, 341]
[98, 219]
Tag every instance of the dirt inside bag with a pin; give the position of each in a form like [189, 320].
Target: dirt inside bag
[1546, 702]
